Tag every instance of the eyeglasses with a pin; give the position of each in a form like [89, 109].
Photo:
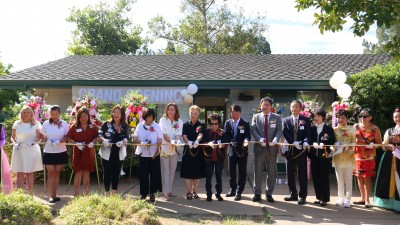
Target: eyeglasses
[213, 124]
[364, 116]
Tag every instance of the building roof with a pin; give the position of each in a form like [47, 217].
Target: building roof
[76, 70]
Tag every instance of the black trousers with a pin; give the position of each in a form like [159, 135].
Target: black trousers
[212, 166]
[320, 173]
[241, 162]
[111, 171]
[298, 164]
[150, 175]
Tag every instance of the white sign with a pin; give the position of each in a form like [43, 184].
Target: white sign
[107, 94]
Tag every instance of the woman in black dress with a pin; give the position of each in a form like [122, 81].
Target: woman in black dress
[192, 168]
[387, 194]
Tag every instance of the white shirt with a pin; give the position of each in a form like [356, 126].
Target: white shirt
[172, 129]
[54, 132]
[144, 135]
[319, 128]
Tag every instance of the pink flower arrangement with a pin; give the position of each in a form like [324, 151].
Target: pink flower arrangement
[345, 134]
[91, 103]
[198, 129]
[175, 125]
[39, 107]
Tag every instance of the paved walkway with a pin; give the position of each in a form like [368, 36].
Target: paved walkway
[282, 212]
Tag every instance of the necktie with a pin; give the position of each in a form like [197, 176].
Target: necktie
[234, 129]
[266, 128]
[295, 129]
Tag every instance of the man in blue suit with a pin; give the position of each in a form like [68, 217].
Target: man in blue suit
[238, 133]
[297, 130]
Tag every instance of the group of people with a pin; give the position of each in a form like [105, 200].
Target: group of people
[350, 149]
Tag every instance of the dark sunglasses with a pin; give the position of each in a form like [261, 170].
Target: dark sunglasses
[364, 116]
[215, 124]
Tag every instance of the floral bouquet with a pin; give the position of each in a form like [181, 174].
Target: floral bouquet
[91, 103]
[310, 107]
[134, 104]
[353, 109]
[39, 107]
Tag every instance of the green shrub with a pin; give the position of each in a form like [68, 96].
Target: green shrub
[98, 209]
[378, 88]
[20, 208]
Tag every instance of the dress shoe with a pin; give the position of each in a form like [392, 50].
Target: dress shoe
[270, 198]
[301, 201]
[291, 198]
[219, 197]
[57, 199]
[238, 197]
[359, 203]
[209, 198]
[230, 194]
[257, 198]
[322, 204]
[317, 202]
[152, 198]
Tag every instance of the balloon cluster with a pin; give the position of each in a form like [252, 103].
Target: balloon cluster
[337, 82]
[187, 94]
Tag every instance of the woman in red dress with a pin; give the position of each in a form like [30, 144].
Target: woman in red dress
[82, 133]
[367, 133]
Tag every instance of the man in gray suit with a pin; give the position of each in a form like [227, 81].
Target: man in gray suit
[266, 127]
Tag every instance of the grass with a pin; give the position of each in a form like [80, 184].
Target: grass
[97, 209]
[20, 208]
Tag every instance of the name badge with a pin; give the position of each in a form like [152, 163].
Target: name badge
[273, 125]
[301, 127]
[78, 130]
[242, 131]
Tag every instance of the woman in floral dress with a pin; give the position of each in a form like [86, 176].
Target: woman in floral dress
[367, 134]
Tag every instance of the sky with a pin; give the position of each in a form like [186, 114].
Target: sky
[36, 32]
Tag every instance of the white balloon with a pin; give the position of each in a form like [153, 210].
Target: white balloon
[340, 76]
[184, 93]
[188, 99]
[334, 82]
[192, 89]
[344, 90]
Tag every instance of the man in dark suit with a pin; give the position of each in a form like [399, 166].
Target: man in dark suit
[266, 127]
[297, 130]
[238, 133]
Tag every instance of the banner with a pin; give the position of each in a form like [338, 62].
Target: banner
[107, 94]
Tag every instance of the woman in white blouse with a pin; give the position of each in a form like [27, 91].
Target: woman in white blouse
[26, 156]
[55, 155]
[149, 132]
[171, 126]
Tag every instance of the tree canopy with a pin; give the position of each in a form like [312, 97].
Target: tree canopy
[388, 41]
[7, 96]
[211, 28]
[104, 30]
[364, 13]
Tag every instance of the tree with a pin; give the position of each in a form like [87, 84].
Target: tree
[364, 13]
[378, 88]
[104, 30]
[8, 97]
[211, 29]
[388, 41]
